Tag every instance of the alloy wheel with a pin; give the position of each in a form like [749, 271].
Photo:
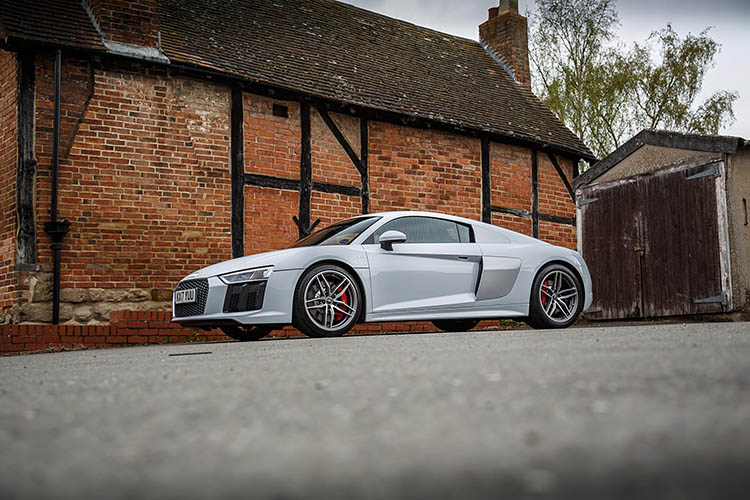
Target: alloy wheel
[331, 300]
[558, 295]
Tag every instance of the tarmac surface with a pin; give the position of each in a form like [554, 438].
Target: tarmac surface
[619, 412]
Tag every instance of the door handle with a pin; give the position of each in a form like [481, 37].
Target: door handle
[463, 257]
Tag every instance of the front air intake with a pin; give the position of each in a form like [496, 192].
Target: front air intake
[244, 297]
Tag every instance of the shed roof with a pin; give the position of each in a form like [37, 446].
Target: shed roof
[677, 140]
[331, 50]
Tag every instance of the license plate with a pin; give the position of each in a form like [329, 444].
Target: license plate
[184, 296]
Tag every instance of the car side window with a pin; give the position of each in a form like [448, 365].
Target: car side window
[425, 230]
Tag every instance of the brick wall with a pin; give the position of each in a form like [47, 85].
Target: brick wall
[8, 165]
[142, 328]
[416, 169]
[268, 218]
[144, 183]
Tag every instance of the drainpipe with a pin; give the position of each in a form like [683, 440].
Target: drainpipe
[56, 228]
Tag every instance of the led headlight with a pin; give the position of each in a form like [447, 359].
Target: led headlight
[247, 275]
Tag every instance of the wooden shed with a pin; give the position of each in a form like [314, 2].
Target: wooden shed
[663, 225]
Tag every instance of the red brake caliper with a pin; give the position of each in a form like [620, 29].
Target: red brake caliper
[544, 297]
[345, 299]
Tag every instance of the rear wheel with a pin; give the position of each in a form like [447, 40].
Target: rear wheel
[556, 298]
[246, 333]
[327, 302]
[455, 325]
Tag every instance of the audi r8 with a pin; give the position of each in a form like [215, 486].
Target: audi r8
[394, 266]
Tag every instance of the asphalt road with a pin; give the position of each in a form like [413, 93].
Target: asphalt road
[628, 412]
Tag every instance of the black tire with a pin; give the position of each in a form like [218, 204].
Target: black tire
[327, 293]
[455, 325]
[553, 307]
[246, 333]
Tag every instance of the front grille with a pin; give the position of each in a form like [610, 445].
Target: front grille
[201, 294]
[244, 297]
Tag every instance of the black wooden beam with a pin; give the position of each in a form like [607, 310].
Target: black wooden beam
[518, 212]
[269, 181]
[272, 182]
[326, 187]
[561, 173]
[558, 219]
[238, 172]
[25, 193]
[526, 214]
[364, 146]
[486, 182]
[305, 168]
[534, 194]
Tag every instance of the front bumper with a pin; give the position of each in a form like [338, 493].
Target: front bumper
[276, 309]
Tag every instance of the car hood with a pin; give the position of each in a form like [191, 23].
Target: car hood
[280, 259]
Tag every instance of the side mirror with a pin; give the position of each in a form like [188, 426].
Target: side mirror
[388, 238]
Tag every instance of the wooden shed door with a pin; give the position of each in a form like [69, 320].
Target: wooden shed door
[656, 244]
[610, 237]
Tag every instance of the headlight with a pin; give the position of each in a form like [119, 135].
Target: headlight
[247, 275]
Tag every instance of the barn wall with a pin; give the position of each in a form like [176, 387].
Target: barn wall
[8, 163]
[145, 181]
[738, 194]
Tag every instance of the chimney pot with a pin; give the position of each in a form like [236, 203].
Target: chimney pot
[493, 12]
[508, 6]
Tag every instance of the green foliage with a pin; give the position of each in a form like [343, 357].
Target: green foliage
[606, 93]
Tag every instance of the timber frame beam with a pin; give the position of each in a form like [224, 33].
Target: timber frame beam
[527, 214]
[26, 255]
[238, 170]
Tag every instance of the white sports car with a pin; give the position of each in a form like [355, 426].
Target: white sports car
[393, 266]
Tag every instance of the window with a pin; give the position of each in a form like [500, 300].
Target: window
[341, 233]
[425, 230]
[280, 110]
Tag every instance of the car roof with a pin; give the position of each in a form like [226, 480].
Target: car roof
[512, 235]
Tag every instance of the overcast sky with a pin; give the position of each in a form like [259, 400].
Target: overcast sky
[730, 20]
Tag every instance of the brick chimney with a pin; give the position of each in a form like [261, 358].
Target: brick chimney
[128, 27]
[505, 36]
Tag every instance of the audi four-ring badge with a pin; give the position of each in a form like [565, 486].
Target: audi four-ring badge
[394, 266]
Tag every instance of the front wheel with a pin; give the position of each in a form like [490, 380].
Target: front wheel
[327, 302]
[246, 333]
[455, 325]
[556, 298]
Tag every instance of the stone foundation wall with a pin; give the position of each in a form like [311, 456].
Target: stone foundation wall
[85, 306]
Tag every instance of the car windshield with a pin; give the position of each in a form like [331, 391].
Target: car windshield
[340, 233]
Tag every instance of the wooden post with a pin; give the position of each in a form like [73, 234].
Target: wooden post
[486, 182]
[305, 169]
[238, 173]
[534, 194]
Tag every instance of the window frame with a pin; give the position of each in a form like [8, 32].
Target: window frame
[370, 239]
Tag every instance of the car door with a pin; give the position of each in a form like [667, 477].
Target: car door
[436, 268]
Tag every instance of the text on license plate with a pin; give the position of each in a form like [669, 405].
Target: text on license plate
[184, 296]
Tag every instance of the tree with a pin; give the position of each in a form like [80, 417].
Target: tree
[605, 93]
